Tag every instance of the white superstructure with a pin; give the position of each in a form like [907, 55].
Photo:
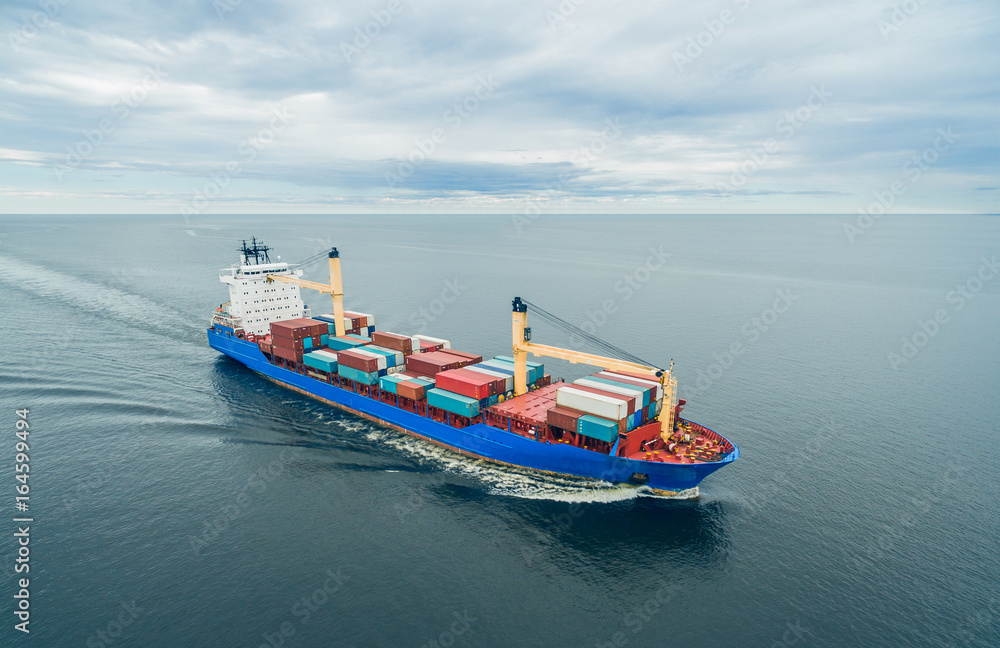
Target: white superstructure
[255, 302]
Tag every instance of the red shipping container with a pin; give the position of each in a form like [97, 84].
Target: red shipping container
[459, 382]
[359, 361]
[429, 364]
[629, 399]
[426, 347]
[287, 354]
[471, 357]
[497, 385]
[411, 390]
[393, 341]
[563, 418]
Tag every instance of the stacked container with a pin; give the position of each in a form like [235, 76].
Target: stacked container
[395, 341]
[454, 403]
[468, 383]
[291, 338]
[471, 357]
[429, 364]
[429, 343]
[322, 360]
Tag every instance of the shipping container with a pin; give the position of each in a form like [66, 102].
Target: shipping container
[466, 383]
[471, 357]
[429, 364]
[393, 341]
[533, 372]
[563, 418]
[380, 358]
[389, 383]
[321, 362]
[363, 377]
[641, 395]
[507, 378]
[539, 368]
[393, 358]
[649, 381]
[343, 343]
[360, 361]
[361, 338]
[444, 344]
[454, 403]
[597, 428]
[412, 389]
[604, 406]
[293, 355]
[630, 400]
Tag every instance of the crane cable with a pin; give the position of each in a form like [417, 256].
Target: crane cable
[566, 327]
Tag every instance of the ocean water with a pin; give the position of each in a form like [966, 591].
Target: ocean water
[180, 500]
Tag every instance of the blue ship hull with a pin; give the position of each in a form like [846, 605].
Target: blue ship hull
[480, 440]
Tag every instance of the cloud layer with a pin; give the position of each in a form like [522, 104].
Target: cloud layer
[573, 106]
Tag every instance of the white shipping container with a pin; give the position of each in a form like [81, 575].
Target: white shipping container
[328, 355]
[596, 404]
[626, 390]
[434, 340]
[397, 356]
[657, 394]
[383, 362]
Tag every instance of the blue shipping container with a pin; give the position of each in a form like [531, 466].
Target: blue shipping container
[362, 377]
[597, 428]
[451, 402]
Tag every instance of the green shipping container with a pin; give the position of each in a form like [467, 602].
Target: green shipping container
[359, 376]
[317, 361]
[342, 344]
[388, 383]
[324, 339]
[307, 343]
[451, 402]
[597, 428]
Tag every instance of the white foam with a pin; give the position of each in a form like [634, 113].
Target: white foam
[517, 482]
[98, 299]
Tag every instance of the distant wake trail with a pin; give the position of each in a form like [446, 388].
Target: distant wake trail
[97, 299]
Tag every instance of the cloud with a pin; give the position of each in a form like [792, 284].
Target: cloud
[696, 88]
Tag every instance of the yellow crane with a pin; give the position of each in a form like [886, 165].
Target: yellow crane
[336, 288]
[523, 346]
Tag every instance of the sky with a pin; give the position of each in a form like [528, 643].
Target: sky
[514, 107]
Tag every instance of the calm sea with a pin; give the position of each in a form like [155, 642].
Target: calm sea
[181, 500]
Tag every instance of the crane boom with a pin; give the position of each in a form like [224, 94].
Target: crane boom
[522, 346]
[335, 288]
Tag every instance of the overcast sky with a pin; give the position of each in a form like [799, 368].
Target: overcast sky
[521, 107]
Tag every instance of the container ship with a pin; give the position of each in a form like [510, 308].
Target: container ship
[621, 424]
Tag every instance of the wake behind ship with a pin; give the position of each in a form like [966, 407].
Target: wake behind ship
[621, 424]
